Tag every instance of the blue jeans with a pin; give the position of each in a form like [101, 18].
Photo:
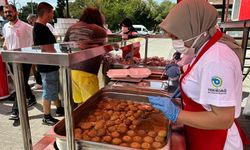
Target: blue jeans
[50, 82]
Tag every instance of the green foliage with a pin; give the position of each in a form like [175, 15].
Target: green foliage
[146, 12]
[60, 8]
[26, 10]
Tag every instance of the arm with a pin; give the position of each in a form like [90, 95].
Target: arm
[217, 118]
[48, 48]
[4, 45]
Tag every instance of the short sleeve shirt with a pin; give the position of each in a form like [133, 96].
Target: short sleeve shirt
[93, 35]
[43, 36]
[216, 80]
[18, 35]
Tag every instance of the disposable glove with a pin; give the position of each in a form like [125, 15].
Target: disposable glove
[177, 93]
[172, 70]
[165, 105]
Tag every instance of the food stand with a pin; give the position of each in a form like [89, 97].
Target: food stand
[64, 56]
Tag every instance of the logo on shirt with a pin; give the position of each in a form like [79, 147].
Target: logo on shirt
[216, 81]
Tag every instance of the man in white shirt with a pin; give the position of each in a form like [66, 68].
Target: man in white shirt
[18, 34]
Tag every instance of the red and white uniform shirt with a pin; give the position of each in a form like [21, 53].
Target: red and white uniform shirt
[216, 80]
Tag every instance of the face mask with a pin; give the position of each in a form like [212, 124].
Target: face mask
[125, 29]
[179, 45]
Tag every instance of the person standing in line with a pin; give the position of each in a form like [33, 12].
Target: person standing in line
[18, 34]
[127, 32]
[50, 74]
[31, 20]
[90, 32]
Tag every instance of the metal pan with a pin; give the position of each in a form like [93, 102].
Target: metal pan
[82, 112]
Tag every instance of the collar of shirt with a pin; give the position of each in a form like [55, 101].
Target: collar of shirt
[16, 25]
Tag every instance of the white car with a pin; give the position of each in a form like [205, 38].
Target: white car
[142, 30]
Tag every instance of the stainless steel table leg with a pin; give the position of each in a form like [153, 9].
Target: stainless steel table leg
[69, 122]
[22, 106]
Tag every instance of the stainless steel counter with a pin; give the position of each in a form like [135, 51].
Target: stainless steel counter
[64, 55]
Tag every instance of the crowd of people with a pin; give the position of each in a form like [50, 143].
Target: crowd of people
[208, 68]
[90, 31]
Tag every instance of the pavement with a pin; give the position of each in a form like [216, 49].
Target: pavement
[11, 135]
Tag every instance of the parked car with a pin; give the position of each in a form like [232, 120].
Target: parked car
[142, 30]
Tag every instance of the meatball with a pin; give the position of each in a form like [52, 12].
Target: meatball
[135, 145]
[136, 122]
[116, 141]
[110, 112]
[96, 139]
[129, 113]
[116, 113]
[86, 125]
[99, 125]
[112, 128]
[148, 139]
[142, 132]
[145, 145]
[126, 138]
[115, 134]
[152, 133]
[78, 135]
[122, 129]
[137, 115]
[162, 133]
[131, 133]
[107, 139]
[101, 132]
[137, 139]
[118, 121]
[92, 133]
[156, 145]
[78, 130]
[132, 118]
[113, 118]
[110, 123]
[159, 139]
[98, 113]
[106, 116]
[85, 137]
[128, 122]
[92, 118]
[132, 126]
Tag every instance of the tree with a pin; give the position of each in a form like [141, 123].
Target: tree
[146, 12]
[60, 8]
[26, 10]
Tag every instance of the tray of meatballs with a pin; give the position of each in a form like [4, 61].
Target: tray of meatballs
[114, 121]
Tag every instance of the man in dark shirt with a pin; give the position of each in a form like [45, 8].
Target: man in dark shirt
[50, 76]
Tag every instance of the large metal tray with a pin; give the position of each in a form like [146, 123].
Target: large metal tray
[131, 88]
[90, 104]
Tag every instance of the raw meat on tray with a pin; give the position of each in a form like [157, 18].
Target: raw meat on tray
[139, 72]
[117, 73]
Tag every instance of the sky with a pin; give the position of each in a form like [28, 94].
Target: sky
[20, 3]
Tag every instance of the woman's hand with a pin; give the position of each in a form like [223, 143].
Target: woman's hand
[165, 105]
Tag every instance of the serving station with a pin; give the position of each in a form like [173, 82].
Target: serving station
[67, 54]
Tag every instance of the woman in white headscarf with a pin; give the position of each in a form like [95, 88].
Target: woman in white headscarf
[211, 86]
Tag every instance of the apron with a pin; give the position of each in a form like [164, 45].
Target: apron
[84, 85]
[199, 139]
[127, 49]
